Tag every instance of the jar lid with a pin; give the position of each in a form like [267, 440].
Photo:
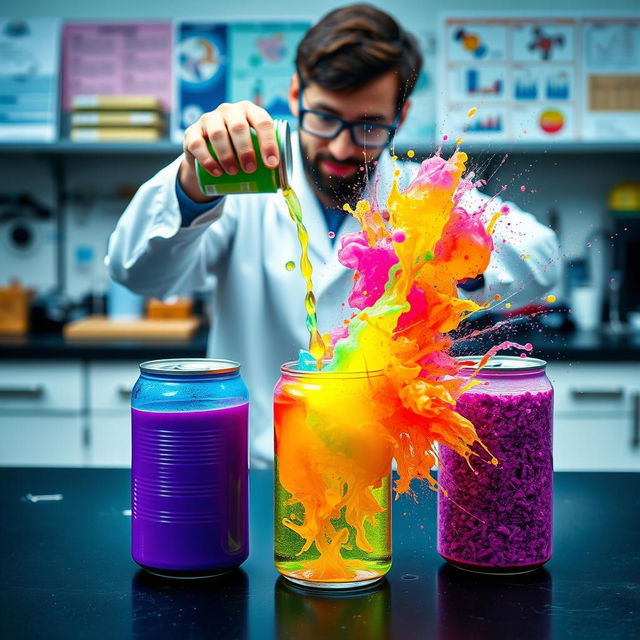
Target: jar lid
[190, 366]
[507, 364]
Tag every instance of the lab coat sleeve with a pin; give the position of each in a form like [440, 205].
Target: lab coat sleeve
[525, 263]
[153, 255]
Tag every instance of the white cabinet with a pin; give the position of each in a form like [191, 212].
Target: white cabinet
[42, 418]
[110, 384]
[110, 439]
[597, 415]
[41, 439]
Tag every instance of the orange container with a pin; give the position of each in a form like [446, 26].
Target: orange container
[14, 309]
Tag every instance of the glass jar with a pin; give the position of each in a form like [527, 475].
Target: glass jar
[498, 519]
[332, 479]
[189, 467]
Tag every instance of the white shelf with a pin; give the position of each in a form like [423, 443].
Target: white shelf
[66, 147]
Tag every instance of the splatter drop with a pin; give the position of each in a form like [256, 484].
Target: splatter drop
[523, 188]
[472, 112]
[399, 236]
[411, 153]
[526, 256]
[505, 209]
[331, 234]
[459, 141]
[589, 244]
[507, 305]
[551, 299]
[496, 297]
[394, 157]
[290, 266]
[523, 355]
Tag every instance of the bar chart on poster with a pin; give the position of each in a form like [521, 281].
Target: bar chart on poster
[540, 78]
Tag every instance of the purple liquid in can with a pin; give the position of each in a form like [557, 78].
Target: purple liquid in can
[189, 487]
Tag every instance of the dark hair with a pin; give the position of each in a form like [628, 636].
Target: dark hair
[353, 45]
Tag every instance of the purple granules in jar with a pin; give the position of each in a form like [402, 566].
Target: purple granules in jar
[499, 518]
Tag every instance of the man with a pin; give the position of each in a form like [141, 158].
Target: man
[355, 71]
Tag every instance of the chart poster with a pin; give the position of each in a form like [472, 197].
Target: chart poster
[29, 72]
[611, 78]
[519, 72]
[117, 58]
[234, 61]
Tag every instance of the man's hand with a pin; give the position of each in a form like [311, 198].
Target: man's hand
[227, 128]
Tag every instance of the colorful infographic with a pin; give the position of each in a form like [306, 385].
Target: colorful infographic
[538, 78]
[29, 79]
[611, 78]
[218, 63]
[519, 72]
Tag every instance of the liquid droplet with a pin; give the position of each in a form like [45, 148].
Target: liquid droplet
[409, 576]
[411, 153]
[523, 188]
[331, 234]
[472, 112]
[290, 266]
[551, 298]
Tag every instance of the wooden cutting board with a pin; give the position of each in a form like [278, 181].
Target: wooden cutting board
[102, 328]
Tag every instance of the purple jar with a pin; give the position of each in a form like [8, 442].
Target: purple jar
[498, 519]
[189, 467]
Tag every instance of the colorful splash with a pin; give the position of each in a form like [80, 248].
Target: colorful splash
[337, 430]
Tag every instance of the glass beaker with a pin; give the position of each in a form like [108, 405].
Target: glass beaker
[332, 479]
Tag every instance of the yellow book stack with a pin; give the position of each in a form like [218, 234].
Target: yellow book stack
[132, 118]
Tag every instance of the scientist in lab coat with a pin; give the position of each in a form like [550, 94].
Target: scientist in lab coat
[356, 69]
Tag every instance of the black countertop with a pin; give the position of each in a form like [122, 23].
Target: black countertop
[54, 346]
[593, 346]
[66, 572]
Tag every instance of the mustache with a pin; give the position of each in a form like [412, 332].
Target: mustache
[353, 162]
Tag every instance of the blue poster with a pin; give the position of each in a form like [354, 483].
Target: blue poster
[201, 69]
[29, 78]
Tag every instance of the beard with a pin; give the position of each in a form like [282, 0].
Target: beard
[338, 189]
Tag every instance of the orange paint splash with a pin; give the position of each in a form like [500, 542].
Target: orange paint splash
[389, 386]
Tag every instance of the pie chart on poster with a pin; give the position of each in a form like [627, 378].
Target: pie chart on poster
[551, 121]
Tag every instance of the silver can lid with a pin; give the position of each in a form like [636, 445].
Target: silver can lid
[286, 157]
[508, 364]
[190, 366]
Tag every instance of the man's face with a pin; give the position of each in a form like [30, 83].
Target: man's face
[334, 166]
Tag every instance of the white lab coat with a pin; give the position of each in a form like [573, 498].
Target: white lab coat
[243, 245]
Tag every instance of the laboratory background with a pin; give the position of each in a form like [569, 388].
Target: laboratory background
[95, 99]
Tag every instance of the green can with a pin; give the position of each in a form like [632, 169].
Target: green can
[262, 180]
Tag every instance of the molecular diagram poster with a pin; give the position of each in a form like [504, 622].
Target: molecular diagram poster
[540, 78]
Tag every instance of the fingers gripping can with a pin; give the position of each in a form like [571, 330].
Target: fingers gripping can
[262, 180]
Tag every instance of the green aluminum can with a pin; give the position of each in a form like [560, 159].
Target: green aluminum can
[262, 180]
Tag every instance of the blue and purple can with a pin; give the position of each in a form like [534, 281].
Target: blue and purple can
[189, 467]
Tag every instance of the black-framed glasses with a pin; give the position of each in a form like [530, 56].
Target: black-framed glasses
[327, 126]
